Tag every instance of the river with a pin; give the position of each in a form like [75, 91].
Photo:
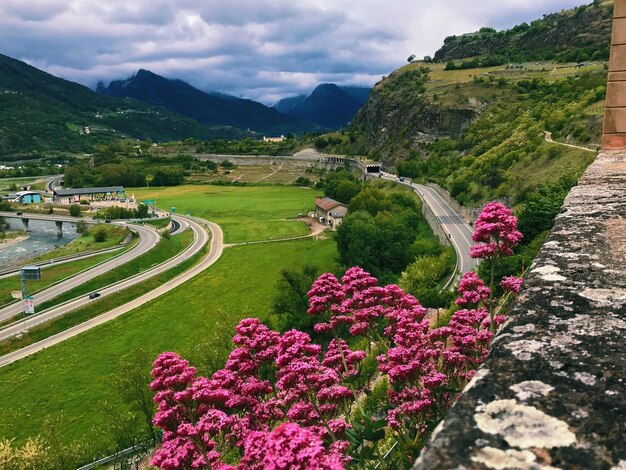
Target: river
[43, 237]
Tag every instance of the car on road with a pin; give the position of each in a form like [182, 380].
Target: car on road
[94, 295]
[18, 213]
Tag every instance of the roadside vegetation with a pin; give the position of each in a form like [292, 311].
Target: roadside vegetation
[167, 248]
[95, 308]
[92, 238]
[50, 275]
[78, 374]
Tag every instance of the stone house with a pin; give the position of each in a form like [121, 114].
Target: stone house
[330, 212]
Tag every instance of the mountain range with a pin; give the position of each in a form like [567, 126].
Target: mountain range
[211, 109]
[41, 112]
[329, 105]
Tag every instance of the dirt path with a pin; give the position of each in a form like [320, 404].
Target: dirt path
[280, 167]
[548, 137]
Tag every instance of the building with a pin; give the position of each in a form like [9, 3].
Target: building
[24, 197]
[273, 139]
[330, 212]
[73, 196]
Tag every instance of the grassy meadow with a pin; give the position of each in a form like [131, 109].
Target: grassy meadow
[245, 213]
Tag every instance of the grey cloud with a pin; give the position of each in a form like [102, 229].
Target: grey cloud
[261, 49]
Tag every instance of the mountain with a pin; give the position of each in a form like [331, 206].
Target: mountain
[328, 105]
[287, 105]
[41, 112]
[480, 133]
[575, 35]
[211, 109]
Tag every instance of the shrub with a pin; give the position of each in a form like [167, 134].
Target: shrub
[75, 210]
[100, 235]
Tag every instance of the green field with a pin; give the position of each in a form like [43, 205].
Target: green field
[73, 378]
[265, 209]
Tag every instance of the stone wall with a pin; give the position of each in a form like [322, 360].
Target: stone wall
[551, 394]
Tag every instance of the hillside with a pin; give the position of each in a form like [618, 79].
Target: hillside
[329, 105]
[211, 109]
[575, 35]
[479, 132]
[41, 112]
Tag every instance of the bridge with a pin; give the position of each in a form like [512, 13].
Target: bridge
[26, 217]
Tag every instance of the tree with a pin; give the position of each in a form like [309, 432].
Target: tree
[371, 200]
[411, 58]
[142, 211]
[75, 210]
[82, 227]
[291, 302]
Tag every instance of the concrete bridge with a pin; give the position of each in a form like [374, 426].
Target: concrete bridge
[56, 219]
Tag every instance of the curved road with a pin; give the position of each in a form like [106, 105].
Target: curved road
[200, 239]
[459, 233]
[149, 237]
[217, 243]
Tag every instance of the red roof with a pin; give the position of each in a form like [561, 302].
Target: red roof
[327, 203]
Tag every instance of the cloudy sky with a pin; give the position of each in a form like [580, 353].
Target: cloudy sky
[259, 49]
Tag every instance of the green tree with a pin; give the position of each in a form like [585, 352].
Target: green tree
[291, 302]
[82, 227]
[75, 210]
[142, 211]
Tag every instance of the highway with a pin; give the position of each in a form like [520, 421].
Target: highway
[217, 244]
[459, 233]
[200, 240]
[148, 238]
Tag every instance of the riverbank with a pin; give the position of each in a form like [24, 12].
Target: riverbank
[11, 239]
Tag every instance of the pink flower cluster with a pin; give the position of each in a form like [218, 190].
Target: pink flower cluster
[472, 289]
[283, 402]
[496, 231]
[237, 404]
[289, 447]
[511, 284]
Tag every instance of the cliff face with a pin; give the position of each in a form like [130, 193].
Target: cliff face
[400, 117]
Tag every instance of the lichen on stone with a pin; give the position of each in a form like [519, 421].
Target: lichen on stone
[523, 426]
[509, 459]
[531, 389]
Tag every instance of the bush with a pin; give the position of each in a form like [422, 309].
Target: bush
[75, 210]
[82, 228]
[100, 235]
[302, 181]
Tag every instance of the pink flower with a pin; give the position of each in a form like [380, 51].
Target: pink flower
[171, 371]
[334, 360]
[511, 283]
[288, 447]
[472, 289]
[496, 231]
[325, 291]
